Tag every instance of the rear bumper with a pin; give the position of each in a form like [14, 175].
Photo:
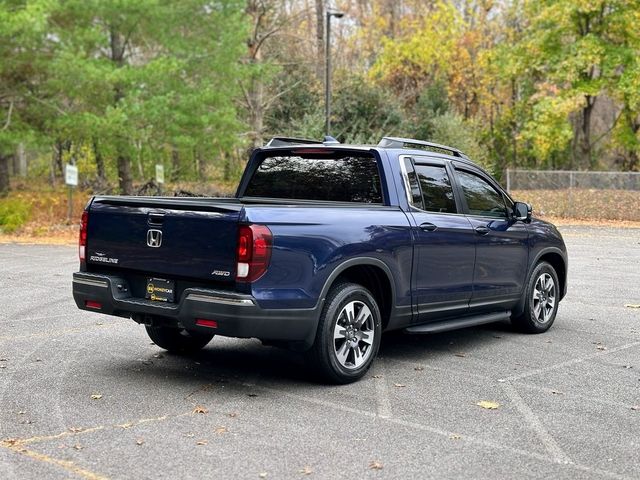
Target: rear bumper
[236, 315]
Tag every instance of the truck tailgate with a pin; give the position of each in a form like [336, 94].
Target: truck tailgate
[169, 237]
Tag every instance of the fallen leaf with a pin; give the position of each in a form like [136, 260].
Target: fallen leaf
[460, 354]
[96, 396]
[306, 470]
[418, 369]
[455, 436]
[233, 414]
[202, 442]
[200, 409]
[376, 465]
[376, 376]
[488, 405]
[139, 441]
[632, 305]
[399, 385]
[221, 430]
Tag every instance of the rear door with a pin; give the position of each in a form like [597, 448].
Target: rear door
[444, 241]
[502, 244]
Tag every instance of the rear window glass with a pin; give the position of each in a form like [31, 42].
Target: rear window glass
[337, 177]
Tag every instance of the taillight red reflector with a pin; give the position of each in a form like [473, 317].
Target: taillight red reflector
[82, 240]
[93, 304]
[254, 252]
[203, 322]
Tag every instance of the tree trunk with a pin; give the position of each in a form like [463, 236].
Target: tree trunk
[585, 127]
[100, 171]
[175, 164]
[21, 161]
[124, 175]
[320, 14]
[4, 175]
[58, 150]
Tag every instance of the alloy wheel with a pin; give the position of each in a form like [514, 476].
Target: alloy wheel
[353, 335]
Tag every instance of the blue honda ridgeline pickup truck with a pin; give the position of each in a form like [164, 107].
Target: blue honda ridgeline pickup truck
[323, 248]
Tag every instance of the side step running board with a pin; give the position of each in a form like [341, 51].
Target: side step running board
[457, 323]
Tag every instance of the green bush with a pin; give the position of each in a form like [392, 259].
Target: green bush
[13, 214]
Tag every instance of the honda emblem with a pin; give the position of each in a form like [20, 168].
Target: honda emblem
[154, 238]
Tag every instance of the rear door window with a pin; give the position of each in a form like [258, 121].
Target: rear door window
[331, 176]
[437, 192]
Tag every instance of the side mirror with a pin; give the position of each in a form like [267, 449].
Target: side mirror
[522, 212]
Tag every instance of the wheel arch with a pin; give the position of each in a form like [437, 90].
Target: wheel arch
[371, 273]
[557, 259]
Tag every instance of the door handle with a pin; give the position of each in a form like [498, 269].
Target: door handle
[156, 218]
[428, 227]
[481, 230]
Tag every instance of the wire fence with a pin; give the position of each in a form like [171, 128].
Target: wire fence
[578, 194]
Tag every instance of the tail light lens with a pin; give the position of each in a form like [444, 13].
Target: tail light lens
[254, 252]
[82, 241]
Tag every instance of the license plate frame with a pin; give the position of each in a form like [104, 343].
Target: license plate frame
[160, 290]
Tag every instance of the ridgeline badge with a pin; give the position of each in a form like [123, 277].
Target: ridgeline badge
[102, 258]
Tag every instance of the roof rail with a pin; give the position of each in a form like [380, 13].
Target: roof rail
[286, 141]
[397, 142]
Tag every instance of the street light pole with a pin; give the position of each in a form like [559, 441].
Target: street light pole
[327, 71]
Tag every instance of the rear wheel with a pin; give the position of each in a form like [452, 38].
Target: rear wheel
[541, 300]
[178, 340]
[348, 334]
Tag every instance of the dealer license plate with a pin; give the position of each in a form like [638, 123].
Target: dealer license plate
[160, 290]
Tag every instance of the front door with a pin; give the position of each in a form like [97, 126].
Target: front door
[502, 250]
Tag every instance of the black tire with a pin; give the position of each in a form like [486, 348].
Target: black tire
[538, 314]
[178, 340]
[327, 355]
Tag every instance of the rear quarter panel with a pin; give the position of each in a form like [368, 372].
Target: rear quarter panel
[312, 242]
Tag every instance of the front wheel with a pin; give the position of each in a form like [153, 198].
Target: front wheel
[348, 335]
[541, 300]
[178, 340]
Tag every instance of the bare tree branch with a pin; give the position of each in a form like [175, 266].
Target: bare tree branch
[8, 122]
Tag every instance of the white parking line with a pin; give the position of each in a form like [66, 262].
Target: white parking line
[536, 425]
[383, 401]
[568, 363]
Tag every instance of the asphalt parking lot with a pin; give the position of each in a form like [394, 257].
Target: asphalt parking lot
[88, 396]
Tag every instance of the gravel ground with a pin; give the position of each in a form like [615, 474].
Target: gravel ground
[88, 396]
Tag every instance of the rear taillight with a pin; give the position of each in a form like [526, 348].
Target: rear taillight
[82, 241]
[254, 252]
